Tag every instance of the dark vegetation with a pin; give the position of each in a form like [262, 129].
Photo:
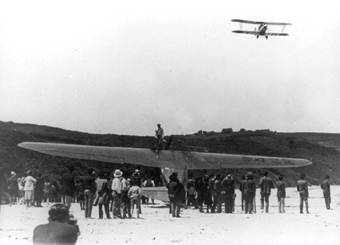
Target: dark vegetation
[322, 149]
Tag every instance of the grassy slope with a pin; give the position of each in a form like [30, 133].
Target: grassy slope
[320, 148]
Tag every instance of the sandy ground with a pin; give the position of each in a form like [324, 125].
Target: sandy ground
[321, 226]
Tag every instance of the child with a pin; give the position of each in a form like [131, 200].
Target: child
[135, 195]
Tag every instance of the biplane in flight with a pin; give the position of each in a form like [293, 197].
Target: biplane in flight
[168, 161]
[261, 29]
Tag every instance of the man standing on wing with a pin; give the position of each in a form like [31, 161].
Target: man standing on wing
[159, 133]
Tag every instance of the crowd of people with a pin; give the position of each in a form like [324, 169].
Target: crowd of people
[215, 193]
[114, 193]
[119, 195]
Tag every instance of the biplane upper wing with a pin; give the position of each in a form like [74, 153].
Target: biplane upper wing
[247, 21]
[260, 22]
[165, 158]
[277, 23]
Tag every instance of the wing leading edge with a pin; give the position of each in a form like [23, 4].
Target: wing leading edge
[260, 22]
[258, 33]
[165, 159]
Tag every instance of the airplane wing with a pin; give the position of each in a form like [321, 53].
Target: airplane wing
[277, 23]
[276, 34]
[260, 22]
[165, 159]
[247, 32]
[247, 21]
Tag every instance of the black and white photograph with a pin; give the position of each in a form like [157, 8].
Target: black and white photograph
[169, 122]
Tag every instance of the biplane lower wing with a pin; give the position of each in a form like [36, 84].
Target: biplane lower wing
[276, 34]
[247, 32]
[260, 34]
[163, 159]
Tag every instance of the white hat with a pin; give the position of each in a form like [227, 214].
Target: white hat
[118, 173]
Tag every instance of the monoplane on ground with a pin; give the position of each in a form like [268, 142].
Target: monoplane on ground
[167, 160]
[262, 28]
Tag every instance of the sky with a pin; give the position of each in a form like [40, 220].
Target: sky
[123, 66]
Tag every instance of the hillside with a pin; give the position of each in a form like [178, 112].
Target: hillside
[322, 149]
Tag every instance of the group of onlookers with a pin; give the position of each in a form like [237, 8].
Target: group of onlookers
[118, 195]
[32, 189]
[215, 192]
[112, 193]
[26, 189]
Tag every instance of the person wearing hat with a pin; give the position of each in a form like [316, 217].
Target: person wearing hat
[326, 189]
[29, 188]
[117, 187]
[61, 228]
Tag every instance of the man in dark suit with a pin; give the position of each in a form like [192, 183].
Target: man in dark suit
[326, 189]
[61, 229]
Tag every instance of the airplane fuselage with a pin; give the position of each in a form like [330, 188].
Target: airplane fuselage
[161, 192]
[262, 30]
